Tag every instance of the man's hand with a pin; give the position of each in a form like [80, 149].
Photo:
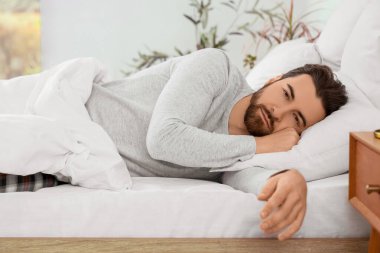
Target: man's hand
[285, 194]
[282, 140]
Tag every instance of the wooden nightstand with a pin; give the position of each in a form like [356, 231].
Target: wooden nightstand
[364, 185]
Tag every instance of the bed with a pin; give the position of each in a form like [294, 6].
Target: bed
[170, 207]
[174, 214]
[181, 209]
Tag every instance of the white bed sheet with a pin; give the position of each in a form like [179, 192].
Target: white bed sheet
[169, 207]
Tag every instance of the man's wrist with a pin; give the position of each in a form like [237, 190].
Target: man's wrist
[260, 145]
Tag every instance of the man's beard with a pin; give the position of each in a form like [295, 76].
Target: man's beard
[252, 119]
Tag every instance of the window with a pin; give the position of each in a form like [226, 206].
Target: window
[19, 38]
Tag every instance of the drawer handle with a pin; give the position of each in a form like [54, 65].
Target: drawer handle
[372, 188]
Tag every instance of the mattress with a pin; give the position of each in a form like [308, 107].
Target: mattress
[170, 207]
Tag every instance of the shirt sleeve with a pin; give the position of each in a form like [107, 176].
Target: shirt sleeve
[250, 180]
[173, 133]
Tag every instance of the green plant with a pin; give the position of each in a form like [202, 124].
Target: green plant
[275, 25]
[205, 37]
[279, 25]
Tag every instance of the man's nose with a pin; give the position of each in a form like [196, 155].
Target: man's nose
[278, 112]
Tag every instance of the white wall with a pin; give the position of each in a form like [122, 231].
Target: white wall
[115, 30]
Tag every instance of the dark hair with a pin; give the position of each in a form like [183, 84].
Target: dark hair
[332, 92]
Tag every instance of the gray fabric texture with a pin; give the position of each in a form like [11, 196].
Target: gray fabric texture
[171, 120]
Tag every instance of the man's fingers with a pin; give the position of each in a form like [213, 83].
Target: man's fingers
[274, 202]
[286, 206]
[268, 189]
[294, 227]
[290, 204]
[290, 218]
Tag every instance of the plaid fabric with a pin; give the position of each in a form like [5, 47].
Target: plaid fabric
[15, 183]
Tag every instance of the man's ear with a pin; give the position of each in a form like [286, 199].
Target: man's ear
[273, 79]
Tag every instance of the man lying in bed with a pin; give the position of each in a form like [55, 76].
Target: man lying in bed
[192, 113]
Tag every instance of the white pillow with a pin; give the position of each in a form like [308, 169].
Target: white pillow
[281, 59]
[361, 56]
[337, 30]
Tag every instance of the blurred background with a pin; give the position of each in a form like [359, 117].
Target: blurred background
[129, 35]
[20, 51]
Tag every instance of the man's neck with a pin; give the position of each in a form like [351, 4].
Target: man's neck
[236, 124]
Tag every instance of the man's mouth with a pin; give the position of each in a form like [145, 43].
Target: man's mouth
[265, 117]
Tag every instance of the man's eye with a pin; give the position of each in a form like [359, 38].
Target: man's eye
[286, 94]
[297, 120]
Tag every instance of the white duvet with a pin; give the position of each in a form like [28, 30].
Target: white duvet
[45, 127]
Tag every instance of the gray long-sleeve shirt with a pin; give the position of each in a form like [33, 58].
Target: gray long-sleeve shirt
[171, 119]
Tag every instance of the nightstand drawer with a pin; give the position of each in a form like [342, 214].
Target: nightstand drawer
[367, 173]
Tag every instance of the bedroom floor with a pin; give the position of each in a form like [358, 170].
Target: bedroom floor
[204, 245]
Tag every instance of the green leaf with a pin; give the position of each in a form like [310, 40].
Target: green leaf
[213, 32]
[204, 41]
[235, 33]
[255, 5]
[191, 19]
[179, 52]
[221, 43]
[255, 12]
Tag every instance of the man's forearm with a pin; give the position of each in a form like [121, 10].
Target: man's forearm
[193, 147]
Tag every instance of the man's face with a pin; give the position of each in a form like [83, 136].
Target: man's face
[290, 102]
